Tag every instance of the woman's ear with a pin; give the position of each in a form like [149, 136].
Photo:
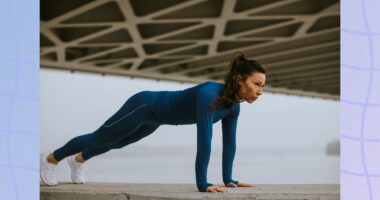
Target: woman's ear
[238, 79]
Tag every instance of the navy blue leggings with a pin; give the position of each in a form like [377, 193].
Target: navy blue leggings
[132, 122]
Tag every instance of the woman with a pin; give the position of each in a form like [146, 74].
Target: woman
[144, 112]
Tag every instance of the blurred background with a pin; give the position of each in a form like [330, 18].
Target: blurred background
[96, 54]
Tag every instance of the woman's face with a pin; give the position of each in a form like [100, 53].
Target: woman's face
[252, 87]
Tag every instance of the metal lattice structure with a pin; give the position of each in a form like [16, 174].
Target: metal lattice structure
[297, 41]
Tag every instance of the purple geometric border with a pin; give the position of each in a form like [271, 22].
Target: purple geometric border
[19, 100]
[360, 99]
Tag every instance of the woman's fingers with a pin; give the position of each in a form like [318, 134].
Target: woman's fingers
[216, 189]
[231, 185]
[245, 185]
[221, 189]
[211, 189]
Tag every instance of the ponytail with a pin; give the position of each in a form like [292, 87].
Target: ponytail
[240, 69]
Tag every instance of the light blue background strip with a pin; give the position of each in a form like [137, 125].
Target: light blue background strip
[19, 99]
[360, 83]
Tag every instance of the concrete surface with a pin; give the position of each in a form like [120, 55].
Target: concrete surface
[118, 191]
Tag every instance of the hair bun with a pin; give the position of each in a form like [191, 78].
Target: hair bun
[239, 56]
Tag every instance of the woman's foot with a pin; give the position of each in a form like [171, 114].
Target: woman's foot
[77, 170]
[47, 172]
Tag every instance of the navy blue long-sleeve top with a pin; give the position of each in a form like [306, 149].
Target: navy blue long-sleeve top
[191, 106]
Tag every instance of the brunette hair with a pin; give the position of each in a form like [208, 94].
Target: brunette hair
[240, 69]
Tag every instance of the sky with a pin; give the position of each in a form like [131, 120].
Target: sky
[78, 103]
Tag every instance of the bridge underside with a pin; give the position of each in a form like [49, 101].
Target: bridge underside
[297, 41]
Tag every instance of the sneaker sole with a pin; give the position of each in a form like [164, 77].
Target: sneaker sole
[71, 168]
[42, 178]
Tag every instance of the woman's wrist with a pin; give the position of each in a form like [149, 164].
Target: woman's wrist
[203, 187]
[230, 181]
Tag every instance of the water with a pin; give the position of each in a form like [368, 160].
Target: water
[160, 165]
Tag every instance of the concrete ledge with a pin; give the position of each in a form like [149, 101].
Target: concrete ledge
[123, 191]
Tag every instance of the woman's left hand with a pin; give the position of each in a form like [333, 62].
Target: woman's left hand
[240, 185]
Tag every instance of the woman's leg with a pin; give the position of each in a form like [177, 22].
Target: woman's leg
[131, 116]
[140, 133]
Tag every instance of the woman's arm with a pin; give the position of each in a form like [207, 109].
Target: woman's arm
[229, 125]
[204, 119]
[204, 135]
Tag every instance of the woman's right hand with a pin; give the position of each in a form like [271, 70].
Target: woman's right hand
[215, 188]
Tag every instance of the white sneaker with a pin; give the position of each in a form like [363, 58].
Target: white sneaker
[77, 170]
[47, 172]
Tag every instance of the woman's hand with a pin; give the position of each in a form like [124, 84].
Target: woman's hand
[240, 185]
[215, 188]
